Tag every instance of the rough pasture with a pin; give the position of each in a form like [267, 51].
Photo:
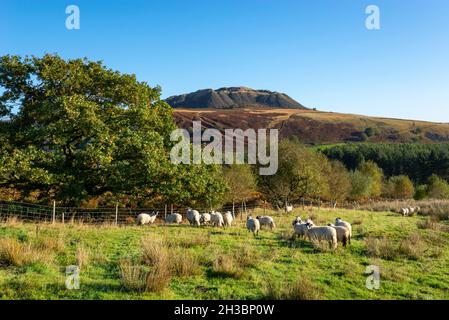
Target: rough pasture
[183, 262]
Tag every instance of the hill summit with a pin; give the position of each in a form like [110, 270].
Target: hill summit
[233, 97]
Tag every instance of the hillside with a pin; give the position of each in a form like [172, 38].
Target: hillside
[315, 127]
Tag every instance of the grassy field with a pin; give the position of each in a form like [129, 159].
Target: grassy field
[182, 262]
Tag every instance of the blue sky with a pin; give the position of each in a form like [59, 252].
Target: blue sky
[319, 52]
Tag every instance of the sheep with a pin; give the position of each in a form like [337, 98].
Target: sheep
[300, 229]
[253, 225]
[288, 209]
[266, 221]
[405, 211]
[347, 225]
[174, 218]
[417, 209]
[145, 218]
[216, 218]
[310, 222]
[297, 220]
[343, 235]
[193, 216]
[227, 219]
[318, 234]
[205, 218]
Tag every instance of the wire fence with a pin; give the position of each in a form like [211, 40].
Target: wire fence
[35, 213]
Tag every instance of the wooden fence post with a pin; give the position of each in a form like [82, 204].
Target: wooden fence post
[116, 213]
[54, 212]
[63, 217]
[165, 213]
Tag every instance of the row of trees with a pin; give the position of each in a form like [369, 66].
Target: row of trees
[417, 161]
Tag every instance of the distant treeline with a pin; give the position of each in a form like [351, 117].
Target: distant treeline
[417, 161]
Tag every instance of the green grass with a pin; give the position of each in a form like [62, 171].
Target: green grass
[228, 264]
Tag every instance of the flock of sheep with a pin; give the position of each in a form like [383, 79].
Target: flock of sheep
[409, 211]
[341, 231]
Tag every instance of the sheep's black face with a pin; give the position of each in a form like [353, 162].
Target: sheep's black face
[258, 217]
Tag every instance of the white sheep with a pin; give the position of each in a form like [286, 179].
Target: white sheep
[227, 219]
[145, 218]
[266, 221]
[343, 235]
[300, 229]
[205, 218]
[288, 209]
[216, 219]
[174, 218]
[310, 222]
[253, 225]
[318, 234]
[405, 211]
[347, 225]
[193, 216]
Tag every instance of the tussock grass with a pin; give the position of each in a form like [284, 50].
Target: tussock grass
[18, 254]
[412, 248]
[225, 266]
[82, 256]
[301, 289]
[132, 276]
[185, 263]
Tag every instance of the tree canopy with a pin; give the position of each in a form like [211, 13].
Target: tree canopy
[76, 130]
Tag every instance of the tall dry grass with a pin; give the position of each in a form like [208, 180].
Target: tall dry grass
[412, 247]
[301, 289]
[18, 254]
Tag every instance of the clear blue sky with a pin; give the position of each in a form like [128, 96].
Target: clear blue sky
[318, 52]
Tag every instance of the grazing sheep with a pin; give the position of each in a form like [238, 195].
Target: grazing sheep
[174, 218]
[347, 225]
[266, 221]
[253, 225]
[216, 218]
[343, 235]
[297, 220]
[205, 218]
[193, 216]
[300, 229]
[145, 218]
[288, 209]
[318, 234]
[227, 219]
[417, 209]
[405, 211]
[310, 222]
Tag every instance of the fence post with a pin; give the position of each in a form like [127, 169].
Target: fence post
[165, 213]
[116, 213]
[63, 220]
[54, 212]
[171, 209]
